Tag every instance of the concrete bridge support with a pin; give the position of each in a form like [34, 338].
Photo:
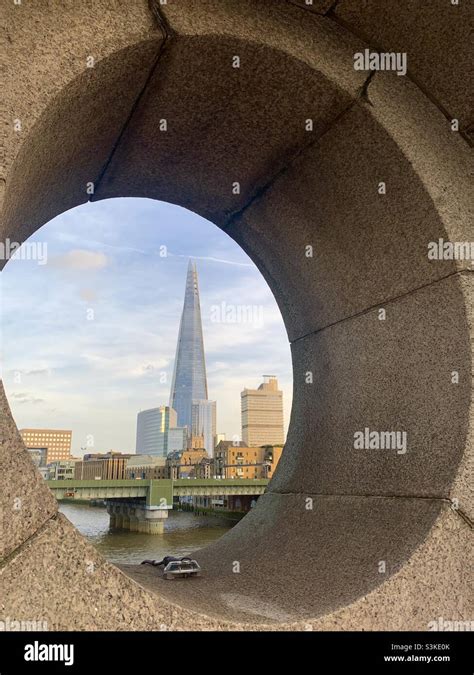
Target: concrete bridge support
[125, 519]
[112, 519]
[151, 520]
[335, 181]
[133, 521]
[136, 518]
[116, 514]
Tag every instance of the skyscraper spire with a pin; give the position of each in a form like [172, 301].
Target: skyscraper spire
[189, 376]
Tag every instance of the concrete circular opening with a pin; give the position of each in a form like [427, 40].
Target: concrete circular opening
[334, 184]
[96, 345]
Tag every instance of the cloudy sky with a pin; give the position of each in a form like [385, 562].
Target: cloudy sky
[89, 338]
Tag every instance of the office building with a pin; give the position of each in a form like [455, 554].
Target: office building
[56, 441]
[106, 466]
[204, 423]
[177, 439]
[152, 430]
[239, 461]
[146, 467]
[62, 469]
[183, 464]
[262, 414]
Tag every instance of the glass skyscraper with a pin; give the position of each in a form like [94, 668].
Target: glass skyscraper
[189, 383]
[152, 430]
[204, 422]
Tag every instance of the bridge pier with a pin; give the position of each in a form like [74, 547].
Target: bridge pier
[133, 521]
[115, 514]
[151, 521]
[125, 519]
[119, 520]
[145, 519]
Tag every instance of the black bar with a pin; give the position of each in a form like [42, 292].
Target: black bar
[316, 652]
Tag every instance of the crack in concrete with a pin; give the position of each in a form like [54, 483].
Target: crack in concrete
[167, 34]
[363, 95]
[290, 161]
[161, 19]
[332, 8]
[19, 549]
[464, 516]
[446, 500]
[364, 92]
[263, 188]
[332, 16]
[377, 305]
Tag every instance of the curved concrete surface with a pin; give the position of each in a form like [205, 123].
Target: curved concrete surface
[345, 538]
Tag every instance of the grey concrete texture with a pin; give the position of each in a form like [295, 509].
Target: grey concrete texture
[367, 247]
[300, 565]
[39, 65]
[462, 488]
[297, 563]
[25, 501]
[469, 132]
[103, 598]
[62, 580]
[441, 157]
[435, 32]
[276, 24]
[392, 374]
[384, 375]
[245, 123]
[435, 582]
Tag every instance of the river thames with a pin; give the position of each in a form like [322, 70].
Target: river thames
[184, 533]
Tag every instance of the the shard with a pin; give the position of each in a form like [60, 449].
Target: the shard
[189, 385]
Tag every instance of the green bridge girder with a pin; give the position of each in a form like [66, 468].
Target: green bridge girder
[157, 492]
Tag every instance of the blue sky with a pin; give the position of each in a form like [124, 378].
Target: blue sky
[89, 338]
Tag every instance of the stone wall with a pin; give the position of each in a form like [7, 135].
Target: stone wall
[310, 554]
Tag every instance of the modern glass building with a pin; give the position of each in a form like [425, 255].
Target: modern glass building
[189, 377]
[177, 439]
[204, 422]
[152, 430]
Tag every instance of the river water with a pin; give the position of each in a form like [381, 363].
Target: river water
[184, 533]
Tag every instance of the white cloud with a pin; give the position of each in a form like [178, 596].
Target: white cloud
[24, 397]
[81, 260]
